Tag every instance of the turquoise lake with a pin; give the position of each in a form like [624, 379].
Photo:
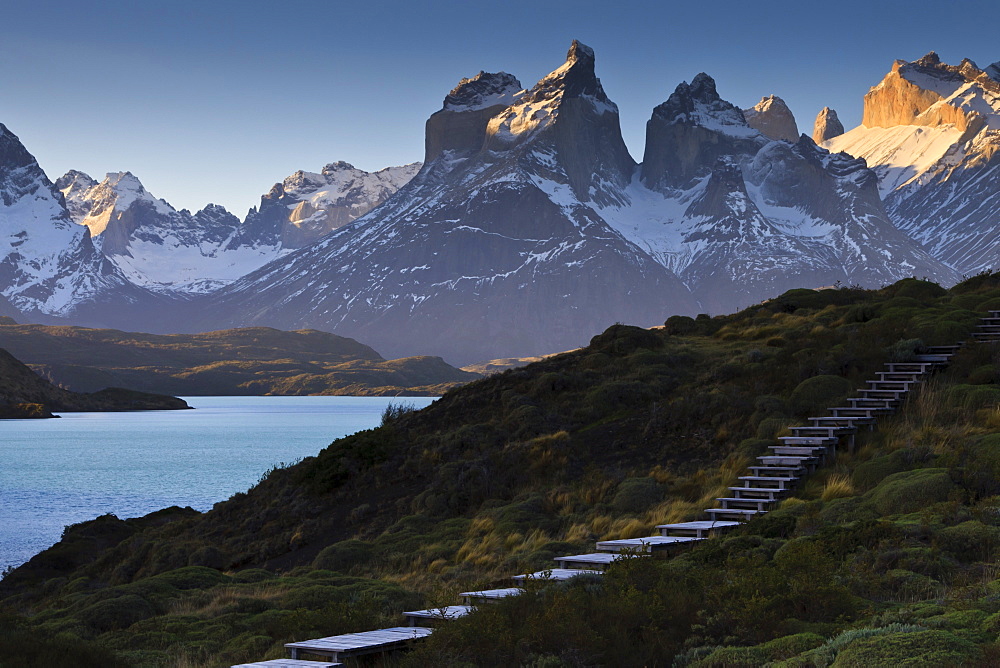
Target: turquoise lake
[67, 470]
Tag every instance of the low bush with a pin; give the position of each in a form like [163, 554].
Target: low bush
[930, 648]
[910, 491]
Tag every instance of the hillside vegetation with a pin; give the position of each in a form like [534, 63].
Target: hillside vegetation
[884, 558]
[248, 361]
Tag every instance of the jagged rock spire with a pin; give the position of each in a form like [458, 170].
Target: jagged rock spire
[827, 126]
[772, 117]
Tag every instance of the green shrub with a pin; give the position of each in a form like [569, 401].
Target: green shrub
[117, 613]
[904, 350]
[984, 375]
[919, 648]
[680, 324]
[910, 491]
[869, 474]
[825, 654]
[191, 577]
[624, 339]
[819, 392]
[635, 495]
[769, 428]
[774, 650]
[344, 556]
[970, 541]
[972, 397]
[914, 288]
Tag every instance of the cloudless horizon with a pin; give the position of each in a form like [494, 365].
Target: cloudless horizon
[215, 102]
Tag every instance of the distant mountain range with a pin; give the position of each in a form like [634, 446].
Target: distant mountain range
[529, 226]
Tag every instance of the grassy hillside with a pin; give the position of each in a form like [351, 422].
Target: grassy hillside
[884, 558]
[249, 361]
[23, 394]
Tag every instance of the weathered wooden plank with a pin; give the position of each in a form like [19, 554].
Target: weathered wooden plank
[287, 663]
[556, 574]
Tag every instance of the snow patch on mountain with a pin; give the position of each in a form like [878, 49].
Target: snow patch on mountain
[902, 154]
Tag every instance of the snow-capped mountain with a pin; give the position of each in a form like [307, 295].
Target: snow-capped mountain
[306, 205]
[48, 265]
[741, 217]
[177, 252]
[157, 246]
[931, 132]
[495, 247]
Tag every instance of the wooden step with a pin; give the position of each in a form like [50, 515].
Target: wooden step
[828, 432]
[858, 402]
[757, 493]
[788, 460]
[892, 384]
[906, 375]
[938, 359]
[779, 471]
[745, 504]
[486, 595]
[357, 644]
[769, 481]
[555, 574]
[808, 440]
[697, 529]
[733, 513]
[595, 561]
[845, 420]
[924, 367]
[646, 544]
[941, 350]
[446, 613]
[845, 411]
[818, 451]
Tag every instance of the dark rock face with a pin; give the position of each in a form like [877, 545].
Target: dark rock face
[460, 125]
[689, 132]
[827, 126]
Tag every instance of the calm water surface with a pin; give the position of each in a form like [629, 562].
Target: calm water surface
[59, 472]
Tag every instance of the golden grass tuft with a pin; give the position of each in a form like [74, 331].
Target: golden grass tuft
[837, 487]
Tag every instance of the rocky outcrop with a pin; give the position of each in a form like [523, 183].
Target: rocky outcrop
[460, 125]
[690, 132]
[827, 126]
[929, 93]
[772, 118]
[571, 117]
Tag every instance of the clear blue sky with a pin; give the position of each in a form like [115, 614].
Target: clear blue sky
[214, 101]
